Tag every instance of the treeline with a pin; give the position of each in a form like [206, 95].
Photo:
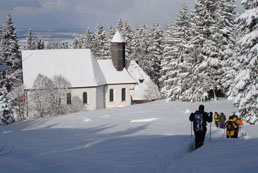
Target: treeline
[204, 54]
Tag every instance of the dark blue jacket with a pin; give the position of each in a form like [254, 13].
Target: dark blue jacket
[206, 118]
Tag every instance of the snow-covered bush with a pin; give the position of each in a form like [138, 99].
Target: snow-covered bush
[48, 97]
[5, 108]
[17, 98]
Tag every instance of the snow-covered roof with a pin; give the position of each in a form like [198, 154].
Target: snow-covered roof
[78, 66]
[145, 88]
[118, 38]
[113, 76]
[81, 69]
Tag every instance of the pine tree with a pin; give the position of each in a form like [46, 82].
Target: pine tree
[1, 46]
[87, 40]
[227, 42]
[10, 44]
[77, 43]
[40, 43]
[120, 25]
[245, 90]
[177, 63]
[169, 63]
[155, 50]
[207, 54]
[10, 54]
[31, 43]
[128, 33]
[63, 45]
[110, 35]
[5, 106]
[140, 49]
[100, 47]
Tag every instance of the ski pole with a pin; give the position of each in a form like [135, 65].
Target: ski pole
[210, 132]
[224, 133]
[191, 129]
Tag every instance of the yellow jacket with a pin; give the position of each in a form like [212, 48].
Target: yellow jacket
[231, 132]
[216, 117]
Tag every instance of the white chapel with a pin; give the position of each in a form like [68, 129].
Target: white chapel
[99, 84]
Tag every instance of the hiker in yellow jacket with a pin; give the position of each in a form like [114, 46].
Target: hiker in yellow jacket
[231, 128]
[217, 119]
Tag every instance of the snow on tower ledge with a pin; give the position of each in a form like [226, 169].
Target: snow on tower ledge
[118, 38]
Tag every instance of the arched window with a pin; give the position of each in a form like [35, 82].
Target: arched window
[84, 98]
[69, 98]
[123, 94]
[111, 95]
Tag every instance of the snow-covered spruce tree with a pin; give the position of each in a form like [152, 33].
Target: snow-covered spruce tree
[245, 90]
[31, 43]
[177, 61]
[127, 33]
[227, 27]
[168, 62]
[87, 42]
[110, 34]
[77, 42]
[140, 45]
[40, 43]
[10, 54]
[100, 47]
[63, 45]
[205, 41]
[1, 46]
[5, 105]
[120, 25]
[155, 49]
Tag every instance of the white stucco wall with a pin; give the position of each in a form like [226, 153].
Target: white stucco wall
[95, 97]
[100, 97]
[118, 95]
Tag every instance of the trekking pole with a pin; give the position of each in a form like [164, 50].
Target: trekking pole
[224, 133]
[210, 132]
[191, 129]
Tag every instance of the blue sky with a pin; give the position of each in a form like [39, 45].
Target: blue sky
[60, 14]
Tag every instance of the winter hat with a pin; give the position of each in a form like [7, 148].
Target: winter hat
[201, 108]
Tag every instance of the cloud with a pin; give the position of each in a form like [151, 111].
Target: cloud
[48, 14]
[43, 7]
[9, 5]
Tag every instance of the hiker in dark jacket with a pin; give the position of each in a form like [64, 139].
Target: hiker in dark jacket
[200, 119]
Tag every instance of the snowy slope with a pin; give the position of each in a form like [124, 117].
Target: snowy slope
[152, 137]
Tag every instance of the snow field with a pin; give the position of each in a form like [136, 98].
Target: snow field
[152, 137]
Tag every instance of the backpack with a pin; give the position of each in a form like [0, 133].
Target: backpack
[198, 122]
[230, 126]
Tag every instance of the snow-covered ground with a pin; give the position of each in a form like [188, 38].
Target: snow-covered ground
[152, 137]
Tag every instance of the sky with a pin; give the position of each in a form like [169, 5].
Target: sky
[65, 14]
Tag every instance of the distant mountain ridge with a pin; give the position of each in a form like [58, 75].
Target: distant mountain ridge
[51, 35]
